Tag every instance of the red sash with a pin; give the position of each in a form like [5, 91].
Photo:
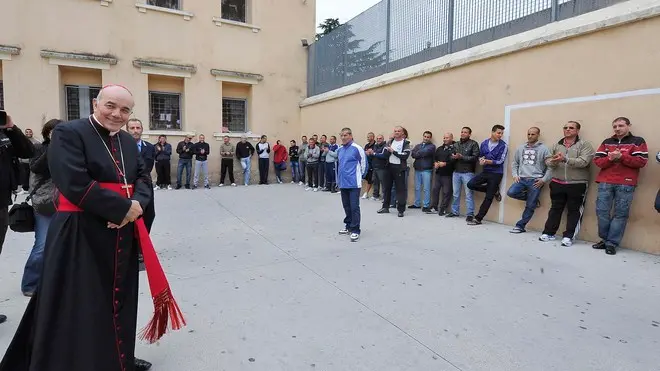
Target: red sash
[165, 307]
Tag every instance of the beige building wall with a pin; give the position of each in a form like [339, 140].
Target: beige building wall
[98, 42]
[477, 93]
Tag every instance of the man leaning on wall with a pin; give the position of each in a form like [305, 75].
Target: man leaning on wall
[619, 157]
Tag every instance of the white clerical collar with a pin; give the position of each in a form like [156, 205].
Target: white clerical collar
[111, 133]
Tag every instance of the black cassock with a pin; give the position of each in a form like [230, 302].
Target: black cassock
[84, 315]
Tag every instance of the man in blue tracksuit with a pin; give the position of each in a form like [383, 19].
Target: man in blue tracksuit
[352, 165]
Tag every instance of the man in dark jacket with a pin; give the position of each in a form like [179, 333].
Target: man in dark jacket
[444, 171]
[423, 154]
[201, 151]
[185, 150]
[399, 151]
[379, 163]
[466, 157]
[13, 145]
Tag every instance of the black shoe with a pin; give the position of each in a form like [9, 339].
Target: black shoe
[474, 221]
[3, 318]
[599, 246]
[469, 218]
[383, 211]
[178, 186]
[400, 214]
[414, 207]
[187, 186]
[498, 196]
[450, 215]
[610, 250]
[142, 365]
[427, 210]
[442, 213]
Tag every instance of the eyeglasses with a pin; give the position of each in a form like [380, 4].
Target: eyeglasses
[569, 128]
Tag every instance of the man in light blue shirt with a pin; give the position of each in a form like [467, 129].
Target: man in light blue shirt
[352, 165]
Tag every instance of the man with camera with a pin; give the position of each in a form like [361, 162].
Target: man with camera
[13, 145]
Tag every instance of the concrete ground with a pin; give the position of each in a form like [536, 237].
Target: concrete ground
[267, 284]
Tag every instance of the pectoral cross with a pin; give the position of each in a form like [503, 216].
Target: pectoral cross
[127, 187]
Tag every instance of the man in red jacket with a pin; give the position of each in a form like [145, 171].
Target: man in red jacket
[619, 158]
[279, 160]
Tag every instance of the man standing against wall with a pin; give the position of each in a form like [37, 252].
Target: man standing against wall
[369, 178]
[570, 161]
[185, 150]
[163, 165]
[530, 174]
[244, 152]
[263, 151]
[302, 156]
[423, 154]
[399, 151]
[492, 153]
[378, 163]
[227, 151]
[619, 157]
[201, 150]
[352, 165]
[444, 170]
[466, 157]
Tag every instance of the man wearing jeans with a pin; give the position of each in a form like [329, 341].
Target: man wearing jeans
[530, 174]
[619, 158]
[570, 161]
[493, 153]
[352, 165]
[302, 155]
[244, 152]
[185, 151]
[465, 157]
[423, 154]
[202, 151]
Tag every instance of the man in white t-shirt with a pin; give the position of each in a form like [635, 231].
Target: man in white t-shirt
[263, 150]
[399, 149]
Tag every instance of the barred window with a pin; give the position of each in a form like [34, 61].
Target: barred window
[233, 10]
[79, 100]
[2, 97]
[164, 111]
[170, 4]
[234, 115]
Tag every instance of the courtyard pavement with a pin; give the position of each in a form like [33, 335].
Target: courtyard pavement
[267, 284]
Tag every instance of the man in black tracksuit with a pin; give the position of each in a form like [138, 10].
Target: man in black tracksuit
[444, 171]
[379, 164]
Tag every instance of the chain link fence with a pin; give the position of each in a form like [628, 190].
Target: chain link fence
[395, 34]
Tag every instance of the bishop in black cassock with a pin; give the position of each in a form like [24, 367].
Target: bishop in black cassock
[84, 315]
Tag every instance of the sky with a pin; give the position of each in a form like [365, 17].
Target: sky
[342, 9]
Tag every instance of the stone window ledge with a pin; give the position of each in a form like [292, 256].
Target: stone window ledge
[6, 51]
[237, 77]
[83, 60]
[219, 136]
[170, 133]
[105, 2]
[164, 68]
[219, 21]
[142, 8]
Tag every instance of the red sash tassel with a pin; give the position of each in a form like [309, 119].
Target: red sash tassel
[165, 307]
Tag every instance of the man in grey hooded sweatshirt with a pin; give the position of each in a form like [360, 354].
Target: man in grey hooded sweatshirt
[530, 174]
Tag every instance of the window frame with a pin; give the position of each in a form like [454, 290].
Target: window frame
[178, 3]
[246, 12]
[66, 98]
[245, 102]
[180, 96]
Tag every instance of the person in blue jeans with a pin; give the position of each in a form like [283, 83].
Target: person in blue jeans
[465, 160]
[185, 151]
[352, 165]
[330, 165]
[620, 159]
[423, 154]
[42, 202]
[530, 173]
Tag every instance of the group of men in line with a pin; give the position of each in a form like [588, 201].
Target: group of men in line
[564, 167]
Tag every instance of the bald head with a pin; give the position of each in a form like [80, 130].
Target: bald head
[113, 107]
[448, 138]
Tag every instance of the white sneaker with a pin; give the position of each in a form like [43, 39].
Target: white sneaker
[546, 238]
[566, 242]
[307, 188]
[292, 182]
[354, 237]
[344, 231]
[221, 185]
[155, 188]
[373, 199]
[364, 196]
[169, 187]
[316, 189]
[233, 184]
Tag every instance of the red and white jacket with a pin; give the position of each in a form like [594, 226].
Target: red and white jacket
[634, 156]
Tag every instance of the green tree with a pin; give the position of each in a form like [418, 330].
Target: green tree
[339, 52]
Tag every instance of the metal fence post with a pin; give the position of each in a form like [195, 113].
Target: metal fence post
[553, 11]
[450, 26]
[388, 40]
